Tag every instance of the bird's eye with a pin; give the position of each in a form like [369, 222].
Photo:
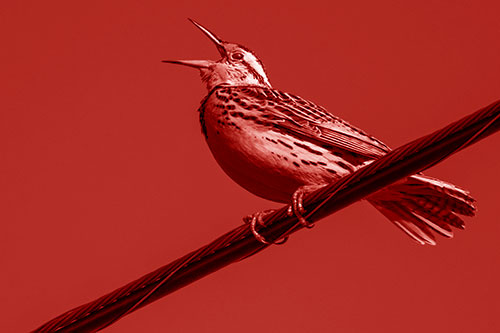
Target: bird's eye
[237, 56]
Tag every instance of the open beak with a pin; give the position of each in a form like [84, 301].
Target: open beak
[201, 63]
[191, 63]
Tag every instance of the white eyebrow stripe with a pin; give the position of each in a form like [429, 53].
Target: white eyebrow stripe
[257, 67]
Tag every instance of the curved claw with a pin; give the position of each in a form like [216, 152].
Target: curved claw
[257, 218]
[253, 223]
[297, 207]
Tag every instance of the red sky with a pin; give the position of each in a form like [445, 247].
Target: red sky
[105, 175]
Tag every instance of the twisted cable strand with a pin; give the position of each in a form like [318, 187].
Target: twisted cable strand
[240, 243]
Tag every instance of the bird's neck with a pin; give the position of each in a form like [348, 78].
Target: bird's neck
[234, 76]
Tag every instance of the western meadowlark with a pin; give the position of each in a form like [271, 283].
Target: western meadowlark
[279, 146]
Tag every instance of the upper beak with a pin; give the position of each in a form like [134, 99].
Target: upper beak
[218, 43]
[202, 63]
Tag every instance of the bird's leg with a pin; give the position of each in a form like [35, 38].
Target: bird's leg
[297, 208]
[257, 218]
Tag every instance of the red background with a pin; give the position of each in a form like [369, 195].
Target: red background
[105, 176]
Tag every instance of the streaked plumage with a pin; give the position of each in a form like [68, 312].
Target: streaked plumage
[272, 143]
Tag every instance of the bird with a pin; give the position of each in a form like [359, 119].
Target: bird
[280, 147]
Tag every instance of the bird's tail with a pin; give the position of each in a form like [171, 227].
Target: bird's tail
[421, 204]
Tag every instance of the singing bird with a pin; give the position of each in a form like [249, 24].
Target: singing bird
[280, 146]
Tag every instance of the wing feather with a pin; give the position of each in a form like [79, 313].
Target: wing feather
[308, 121]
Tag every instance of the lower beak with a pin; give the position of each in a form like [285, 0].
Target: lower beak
[191, 63]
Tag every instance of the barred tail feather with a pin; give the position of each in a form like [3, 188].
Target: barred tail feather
[422, 204]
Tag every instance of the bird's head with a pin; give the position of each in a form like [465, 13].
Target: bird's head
[237, 66]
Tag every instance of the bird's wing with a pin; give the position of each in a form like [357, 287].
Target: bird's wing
[299, 117]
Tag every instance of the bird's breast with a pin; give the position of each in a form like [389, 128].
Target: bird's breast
[270, 164]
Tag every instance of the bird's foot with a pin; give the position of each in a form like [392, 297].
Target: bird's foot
[297, 207]
[257, 218]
